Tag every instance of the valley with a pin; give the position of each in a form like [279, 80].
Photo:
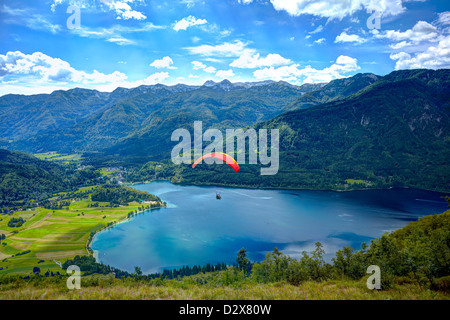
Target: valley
[64, 181]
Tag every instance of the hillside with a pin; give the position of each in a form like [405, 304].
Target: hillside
[334, 90]
[22, 116]
[116, 194]
[395, 132]
[24, 177]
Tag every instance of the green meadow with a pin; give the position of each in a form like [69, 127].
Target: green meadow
[54, 234]
[58, 156]
[357, 181]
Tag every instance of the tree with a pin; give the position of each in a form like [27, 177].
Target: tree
[316, 263]
[242, 260]
[273, 268]
[36, 270]
[16, 222]
[138, 271]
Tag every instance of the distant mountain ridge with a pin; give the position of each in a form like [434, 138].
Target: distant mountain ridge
[334, 90]
[139, 112]
[24, 116]
[226, 85]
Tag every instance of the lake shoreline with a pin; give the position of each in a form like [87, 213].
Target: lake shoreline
[279, 188]
[88, 248]
[238, 186]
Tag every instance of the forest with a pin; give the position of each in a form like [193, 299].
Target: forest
[116, 194]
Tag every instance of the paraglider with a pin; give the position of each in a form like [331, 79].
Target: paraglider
[221, 156]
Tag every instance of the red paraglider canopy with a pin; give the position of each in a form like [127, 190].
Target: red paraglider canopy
[221, 156]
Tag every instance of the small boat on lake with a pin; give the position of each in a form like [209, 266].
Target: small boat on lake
[218, 197]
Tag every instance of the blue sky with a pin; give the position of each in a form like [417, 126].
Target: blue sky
[128, 43]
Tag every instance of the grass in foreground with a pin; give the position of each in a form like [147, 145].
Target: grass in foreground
[103, 288]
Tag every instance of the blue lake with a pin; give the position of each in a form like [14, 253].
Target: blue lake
[196, 228]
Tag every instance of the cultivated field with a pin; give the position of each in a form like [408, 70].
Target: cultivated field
[53, 234]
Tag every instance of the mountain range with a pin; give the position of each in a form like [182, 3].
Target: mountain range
[392, 130]
[136, 122]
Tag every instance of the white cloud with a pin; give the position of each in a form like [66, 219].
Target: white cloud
[43, 68]
[337, 9]
[213, 60]
[287, 73]
[294, 73]
[345, 64]
[25, 17]
[187, 22]
[225, 33]
[400, 45]
[251, 61]
[317, 30]
[124, 11]
[423, 46]
[191, 3]
[165, 62]
[225, 74]
[154, 78]
[131, 14]
[320, 41]
[226, 49]
[421, 31]
[159, 77]
[444, 18]
[344, 37]
[215, 29]
[121, 41]
[121, 8]
[114, 33]
[40, 73]
[246, 57]
[209, 69]
[78, 3]
[433, 57]
[198, 65]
